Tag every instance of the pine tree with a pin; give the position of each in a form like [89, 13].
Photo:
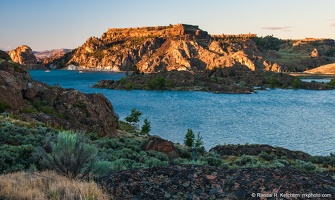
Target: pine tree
[198, 141]
[189, 138]
[146, 128]
[133, 118]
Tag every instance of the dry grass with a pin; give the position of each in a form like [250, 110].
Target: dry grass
[47, 185]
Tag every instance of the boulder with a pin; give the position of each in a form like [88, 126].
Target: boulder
[314, 53]
[158, 144]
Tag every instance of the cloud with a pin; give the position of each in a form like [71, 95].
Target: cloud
[277, 28]
[333, 24]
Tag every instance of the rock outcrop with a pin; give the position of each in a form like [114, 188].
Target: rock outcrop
[161, 145]
[58, 107]
[23, 55]
[201, 182]
[152, 49]
[188, 48]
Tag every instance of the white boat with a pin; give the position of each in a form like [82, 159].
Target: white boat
[47, 70]
[80, 72]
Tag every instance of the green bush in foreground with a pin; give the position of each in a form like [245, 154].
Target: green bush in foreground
[70, 155]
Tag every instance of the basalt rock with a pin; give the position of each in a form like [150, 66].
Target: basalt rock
[55, 106]
[256, 149]
[201, 182]
[158, 144]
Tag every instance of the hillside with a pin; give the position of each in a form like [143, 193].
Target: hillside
[188, 48]
[48, 56]
[324, 69]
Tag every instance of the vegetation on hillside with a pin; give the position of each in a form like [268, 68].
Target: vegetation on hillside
[35, 147]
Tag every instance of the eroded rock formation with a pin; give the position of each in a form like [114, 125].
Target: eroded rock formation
[152, 49]
[23, 55]
[58, 107]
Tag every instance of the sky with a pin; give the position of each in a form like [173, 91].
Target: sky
[54, 24]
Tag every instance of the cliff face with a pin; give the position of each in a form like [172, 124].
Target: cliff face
[34, 101]
[23, 55]
[188, 48]
[154, 49]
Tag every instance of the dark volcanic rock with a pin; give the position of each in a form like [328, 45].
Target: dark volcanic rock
[256, 149]
[200, 182]
[158, 144]
[56, 106]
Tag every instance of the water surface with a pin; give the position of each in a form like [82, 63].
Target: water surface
[295, 119]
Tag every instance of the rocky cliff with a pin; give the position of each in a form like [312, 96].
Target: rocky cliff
[188, 48]
[63, 108]
[23, 55]
[154, 49]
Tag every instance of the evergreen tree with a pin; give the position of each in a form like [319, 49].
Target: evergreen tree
[146, 128]
[189, 138]
[198, 141]
[133, 118]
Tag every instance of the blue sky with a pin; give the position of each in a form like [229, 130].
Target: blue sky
[51, 24]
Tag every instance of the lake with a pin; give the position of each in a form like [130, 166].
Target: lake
[295, 119]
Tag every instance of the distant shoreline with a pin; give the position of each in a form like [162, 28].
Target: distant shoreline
[310, 76]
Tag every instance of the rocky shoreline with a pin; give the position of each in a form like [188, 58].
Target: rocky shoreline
[234, 80]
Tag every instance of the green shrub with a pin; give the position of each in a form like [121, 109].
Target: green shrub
[123, 81]
[212, 161]
[279, 163]
[273, 82]
[332, 82]
[18, 144]
[154, 162]
[305, 166]
[129, 85]
[157, 83]
[70, 155]
[266, 156]
[296, 83]
[248, 161]
[102, 167]
[3, 106]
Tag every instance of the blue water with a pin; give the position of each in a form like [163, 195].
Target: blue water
[295, 119]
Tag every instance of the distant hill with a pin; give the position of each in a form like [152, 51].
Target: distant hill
[49, 55]
[324, 69]
[189, 48]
